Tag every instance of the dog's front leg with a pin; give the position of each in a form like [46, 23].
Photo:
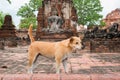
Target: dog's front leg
[30, 70]
[58, 61]
[64, 62]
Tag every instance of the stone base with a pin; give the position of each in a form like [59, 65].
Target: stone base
[106, 45]
[54, 36]
[7, 33]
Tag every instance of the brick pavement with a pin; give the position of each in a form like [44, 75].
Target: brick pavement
[82, 65]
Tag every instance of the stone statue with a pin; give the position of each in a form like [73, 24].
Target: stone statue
[54, 24]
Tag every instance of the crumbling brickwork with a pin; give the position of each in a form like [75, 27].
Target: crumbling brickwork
[7, 29]
[105, 45]
[112, 17]
[55, 16]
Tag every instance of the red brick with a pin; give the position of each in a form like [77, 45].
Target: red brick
[1, 76]
[45, 77]
[95, 77]
[17, 77]
[74, 77]
[105, 77]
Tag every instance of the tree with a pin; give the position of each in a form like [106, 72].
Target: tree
[2, 15]
[88, 11]
[35, 4]
[28, 17]
[9, 1]
[24, 23]
[27, 13]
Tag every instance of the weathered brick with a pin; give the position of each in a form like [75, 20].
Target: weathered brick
[1, 76]
[17, 77]
[105, 77]
[75, 77]
[45, 77]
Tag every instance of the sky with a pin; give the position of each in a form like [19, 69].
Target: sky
[12, 8]
[109, 5]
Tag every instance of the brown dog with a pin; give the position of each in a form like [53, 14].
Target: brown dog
[57, 50]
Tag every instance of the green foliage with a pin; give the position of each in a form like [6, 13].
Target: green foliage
[88, 11]
[27, 13]
[35, 4]
[24, 23]
[2, 15]
[102, 23]
[9, 1]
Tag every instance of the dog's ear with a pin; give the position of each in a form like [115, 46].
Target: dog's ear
[71, 39]
[68, 41]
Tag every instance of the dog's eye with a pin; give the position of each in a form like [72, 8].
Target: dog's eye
[76, 42]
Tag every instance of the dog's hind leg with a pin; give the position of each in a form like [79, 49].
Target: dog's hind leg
[32, 60]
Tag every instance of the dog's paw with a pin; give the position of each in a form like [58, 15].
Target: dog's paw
[67, 72]
[30, 72]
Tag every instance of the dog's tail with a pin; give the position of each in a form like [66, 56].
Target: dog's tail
[30, 33]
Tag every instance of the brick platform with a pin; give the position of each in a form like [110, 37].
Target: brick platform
[82, 65]
[60, 77]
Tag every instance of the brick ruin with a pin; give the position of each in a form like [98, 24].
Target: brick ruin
[56, 19]
[98, 40]
[105, 45]
[112, 17]
[7, 33]
[108, 38]
[7, 29]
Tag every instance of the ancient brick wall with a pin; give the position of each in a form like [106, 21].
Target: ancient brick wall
[60, 11]
[105, 45]
[7, 29]
[112, 17]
